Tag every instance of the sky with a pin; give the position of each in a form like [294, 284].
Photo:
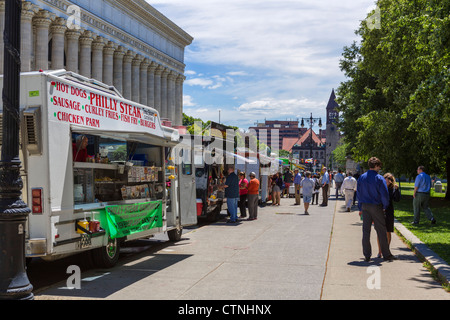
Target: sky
[258, 60]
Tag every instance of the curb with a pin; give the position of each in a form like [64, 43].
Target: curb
[425, 253]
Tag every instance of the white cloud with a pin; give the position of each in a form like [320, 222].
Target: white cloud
[188, 101]
[269, 58]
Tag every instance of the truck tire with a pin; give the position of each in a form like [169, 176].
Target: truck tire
[175, 234]
[107, 257]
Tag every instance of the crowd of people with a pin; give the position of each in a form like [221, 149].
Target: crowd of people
[375, 194]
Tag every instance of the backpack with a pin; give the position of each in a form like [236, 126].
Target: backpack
[317, 185]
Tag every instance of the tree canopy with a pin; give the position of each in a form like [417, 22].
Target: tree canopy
[395, 103]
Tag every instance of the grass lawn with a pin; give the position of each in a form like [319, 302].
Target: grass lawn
[437, 236]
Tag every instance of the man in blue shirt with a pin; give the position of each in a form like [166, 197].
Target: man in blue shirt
[297, 180]
[232, 193]
[421, 196]
[325, 186]
[373, 199]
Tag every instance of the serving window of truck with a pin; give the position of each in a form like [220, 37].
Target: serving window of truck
[95, 170]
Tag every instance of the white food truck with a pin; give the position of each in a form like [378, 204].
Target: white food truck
[97, 169]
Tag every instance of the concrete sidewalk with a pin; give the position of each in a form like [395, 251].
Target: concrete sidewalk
[349, 277]
[284, 255]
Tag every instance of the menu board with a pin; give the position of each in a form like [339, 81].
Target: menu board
[73, 104]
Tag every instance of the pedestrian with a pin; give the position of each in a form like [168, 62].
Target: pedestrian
[316, 189]
[422, 187]
[373, 199]
[338, 180]
[348, 188]
[253, 195]
[287, 182]
[232, 194]
[325, 185]
[356, 176]
[297, 180]
[277, 183]
[394, 195]
[243, 191]
[307, 185]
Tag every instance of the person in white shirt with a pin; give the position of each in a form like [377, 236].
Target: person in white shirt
[348, 188]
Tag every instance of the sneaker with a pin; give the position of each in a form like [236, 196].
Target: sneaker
[306, 213]
[433, 221]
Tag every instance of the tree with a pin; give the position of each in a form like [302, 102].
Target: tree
[395, 103]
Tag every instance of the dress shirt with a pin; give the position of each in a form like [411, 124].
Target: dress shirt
[326, 178]
[297, 178]
[423, 183]
[349, 183]
[372, 188]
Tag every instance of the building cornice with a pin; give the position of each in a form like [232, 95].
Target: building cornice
[112, 32]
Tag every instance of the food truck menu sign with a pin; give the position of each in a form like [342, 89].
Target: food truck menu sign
[128, 219]
[82, 107]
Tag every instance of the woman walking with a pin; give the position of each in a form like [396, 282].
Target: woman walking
[394, 195]
[277, 183]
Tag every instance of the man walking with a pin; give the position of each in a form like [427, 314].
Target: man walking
[308, 187]
[373, 199]
[297, 180]
[325, 186]
[348, 188]
[338, 179]
[253, 195]
[232, 194]
[421, 196]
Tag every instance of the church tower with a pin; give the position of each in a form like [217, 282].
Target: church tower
[332, 132]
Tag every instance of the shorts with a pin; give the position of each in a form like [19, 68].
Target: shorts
[276, 188]
[307, 198]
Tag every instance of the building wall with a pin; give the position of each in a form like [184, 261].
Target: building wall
[125, 43]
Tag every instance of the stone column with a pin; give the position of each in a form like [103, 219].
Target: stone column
[135, 77]
[73, 37]
[127, 78]
[42, 23]
[58, 28]
[86, 40]
[26, 30]
[158, 72]
[118, 69]
[151, 84]
[97, 59]
[164, 75]
[171, 77]
[179, 100]
[109, 64]
[143, 84]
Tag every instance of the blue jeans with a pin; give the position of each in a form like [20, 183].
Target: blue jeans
[232, 204]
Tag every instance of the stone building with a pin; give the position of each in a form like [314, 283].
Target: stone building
[124, 43]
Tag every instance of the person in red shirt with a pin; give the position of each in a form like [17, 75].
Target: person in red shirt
[253, 197]
[242, 194]
[79, 149]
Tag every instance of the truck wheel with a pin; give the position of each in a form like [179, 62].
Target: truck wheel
[107, 257]
[175, 234]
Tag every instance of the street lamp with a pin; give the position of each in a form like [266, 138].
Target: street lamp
[311, 122]
[14, 283]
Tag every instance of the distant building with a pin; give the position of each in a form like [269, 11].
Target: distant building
[279, 130]
[299, 141]
[307, 146]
